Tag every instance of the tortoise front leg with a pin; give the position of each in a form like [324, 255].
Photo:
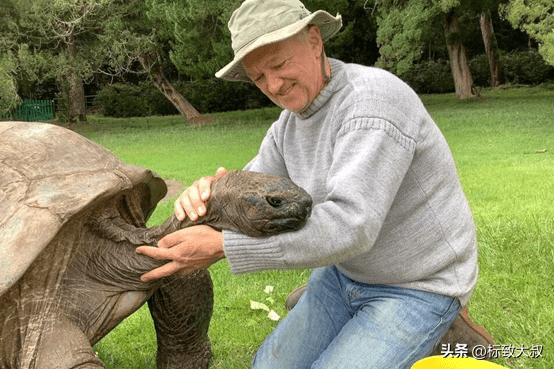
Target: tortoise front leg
[181, 309]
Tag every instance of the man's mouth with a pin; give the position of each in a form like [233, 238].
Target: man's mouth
[284, 93]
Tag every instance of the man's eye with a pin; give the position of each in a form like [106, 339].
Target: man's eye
[279, 66]
[259, 78]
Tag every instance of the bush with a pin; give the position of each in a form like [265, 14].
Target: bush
[207, 96]
[63, 104]
[430, 77]
[480, 70]
[526, 67]
[124, 100]
[517, 67]
[156, 102]
[215, 95]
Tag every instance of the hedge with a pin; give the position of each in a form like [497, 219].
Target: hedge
[207, 96]
[430, 77]
[517, 67]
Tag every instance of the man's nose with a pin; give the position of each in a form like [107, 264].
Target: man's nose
[274, 83]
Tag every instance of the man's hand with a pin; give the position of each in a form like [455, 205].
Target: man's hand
[190, 249]
[191, 201]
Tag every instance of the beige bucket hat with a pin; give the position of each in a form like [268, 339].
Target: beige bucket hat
[258, 23]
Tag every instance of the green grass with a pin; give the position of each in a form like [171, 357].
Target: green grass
[498, 142]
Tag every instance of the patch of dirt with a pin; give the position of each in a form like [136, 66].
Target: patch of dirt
[200, 120]
[174, 188]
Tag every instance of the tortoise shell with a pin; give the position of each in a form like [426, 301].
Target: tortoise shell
[48, 174]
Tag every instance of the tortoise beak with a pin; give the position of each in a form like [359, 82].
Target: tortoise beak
[297, 214]
[302, 209]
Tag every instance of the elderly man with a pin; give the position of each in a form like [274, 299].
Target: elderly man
[391, 236]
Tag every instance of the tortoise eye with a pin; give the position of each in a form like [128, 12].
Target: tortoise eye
[274, 201]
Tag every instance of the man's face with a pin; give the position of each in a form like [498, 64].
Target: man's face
[288, 72]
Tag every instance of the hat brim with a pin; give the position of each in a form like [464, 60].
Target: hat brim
[328, 27]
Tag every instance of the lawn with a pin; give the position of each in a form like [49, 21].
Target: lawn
[503, 144]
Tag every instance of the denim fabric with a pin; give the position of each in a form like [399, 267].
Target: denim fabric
[341, 323]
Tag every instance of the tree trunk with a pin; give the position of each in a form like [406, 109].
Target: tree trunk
[489, 39]
[77, 107]
[463, 80]
[182, 105]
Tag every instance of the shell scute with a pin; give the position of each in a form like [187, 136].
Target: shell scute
[48, 175]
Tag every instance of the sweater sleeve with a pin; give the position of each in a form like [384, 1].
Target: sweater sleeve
[370, 159]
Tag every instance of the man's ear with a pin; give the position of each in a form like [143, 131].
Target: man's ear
[314, 39]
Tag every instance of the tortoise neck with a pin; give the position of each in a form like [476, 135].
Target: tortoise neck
[171, 225]
[213, 216]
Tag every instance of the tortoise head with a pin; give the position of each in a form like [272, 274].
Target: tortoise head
[257, 204]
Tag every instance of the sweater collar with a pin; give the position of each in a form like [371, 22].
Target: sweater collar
[325, 93]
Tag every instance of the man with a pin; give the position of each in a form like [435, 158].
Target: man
[391, 236]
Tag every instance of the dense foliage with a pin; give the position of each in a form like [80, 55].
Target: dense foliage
[127, 100]
[537, 19]
[210, 96]
[47, 46]
[517, 68]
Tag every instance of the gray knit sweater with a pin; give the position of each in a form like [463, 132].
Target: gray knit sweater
[388, 204]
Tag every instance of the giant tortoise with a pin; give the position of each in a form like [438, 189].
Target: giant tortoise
[71, 216]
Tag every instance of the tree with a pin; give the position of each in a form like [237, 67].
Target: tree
[491, 46]
[67, 25]
[197, 30]
[8, 63]
[463, 80]
[181, 104]
[407, 28]
[401, 31]
[8, 88]
[402, 27]
[355, 43]
[76, 38]
[536, 18]
[144, 33]
[46, 41]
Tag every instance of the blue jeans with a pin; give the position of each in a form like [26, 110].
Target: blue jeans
[340, 323]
